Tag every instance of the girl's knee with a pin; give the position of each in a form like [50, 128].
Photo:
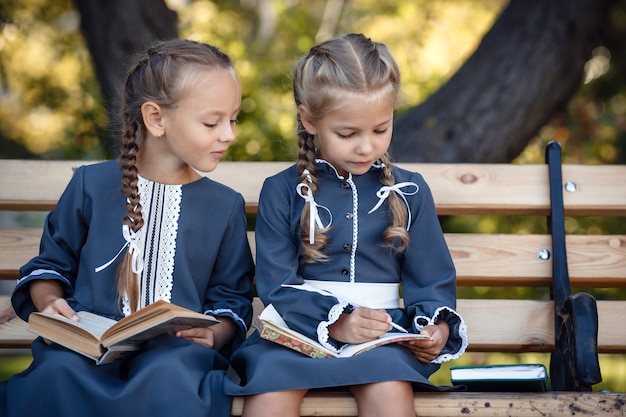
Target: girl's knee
[393, 398]
[282, 403]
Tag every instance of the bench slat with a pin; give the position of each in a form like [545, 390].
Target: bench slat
[17, 246]
[463, 404]
[513, 260]
[480, 259]
[528, 325]
[522, 189]
[457, 188]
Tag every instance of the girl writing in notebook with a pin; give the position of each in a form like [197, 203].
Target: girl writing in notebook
[146, 227]
[338, 233]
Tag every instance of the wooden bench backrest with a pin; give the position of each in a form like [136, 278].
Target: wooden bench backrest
[501, 260]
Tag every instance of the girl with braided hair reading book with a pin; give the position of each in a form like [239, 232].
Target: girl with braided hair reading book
[170, 235]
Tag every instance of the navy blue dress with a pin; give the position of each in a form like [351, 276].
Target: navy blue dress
[360, 271]
[195, 253]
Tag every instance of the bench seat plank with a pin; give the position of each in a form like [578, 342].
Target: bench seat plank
[457, 188]
[486, 259]
[480, 259]
[17, 246]
[463, 404]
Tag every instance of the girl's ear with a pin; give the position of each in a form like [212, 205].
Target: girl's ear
[307, 121]
[152, 115]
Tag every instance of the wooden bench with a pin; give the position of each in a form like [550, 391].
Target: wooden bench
[508, 260]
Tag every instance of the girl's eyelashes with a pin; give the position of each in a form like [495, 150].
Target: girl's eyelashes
[349, 135]
[212, 125]
[346, 136]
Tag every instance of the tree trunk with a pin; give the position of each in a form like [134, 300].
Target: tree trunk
[114, 31]
[525, 70]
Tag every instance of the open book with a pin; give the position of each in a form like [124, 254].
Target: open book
[105, 340]
[272, 327]
[509, 378]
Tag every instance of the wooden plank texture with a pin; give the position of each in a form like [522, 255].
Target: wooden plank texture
[463, 404]
[480, 259]
[457, 188]
[595, 261]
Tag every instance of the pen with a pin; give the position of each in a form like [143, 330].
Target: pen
[398, 327]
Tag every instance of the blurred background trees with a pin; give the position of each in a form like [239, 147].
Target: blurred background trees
[482, 81]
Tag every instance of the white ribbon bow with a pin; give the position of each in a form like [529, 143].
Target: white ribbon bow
[385, 190]
[314, 217]
[131, 241]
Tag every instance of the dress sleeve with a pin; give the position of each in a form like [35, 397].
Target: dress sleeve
[64, 234]
[277, 279]
[429, 277]
[229, 292]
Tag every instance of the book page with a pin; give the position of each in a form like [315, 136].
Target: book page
[388, 338]
[89, 322]
[94, 323]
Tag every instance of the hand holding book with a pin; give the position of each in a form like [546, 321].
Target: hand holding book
[105, 340]
[272, 327]
[426, 352]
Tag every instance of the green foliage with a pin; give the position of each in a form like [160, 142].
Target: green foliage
[51, 106]
[50, 103]
[12, 364]
[49, 99]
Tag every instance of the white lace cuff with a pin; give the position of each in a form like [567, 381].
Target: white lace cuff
[458, 330]
[322, 328]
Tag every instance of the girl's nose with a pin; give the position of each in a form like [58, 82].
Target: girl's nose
[365, 145]
[228, 133]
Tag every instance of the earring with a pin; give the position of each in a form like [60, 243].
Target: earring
[160, 135]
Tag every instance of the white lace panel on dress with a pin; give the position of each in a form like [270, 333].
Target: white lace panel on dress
[157, 240]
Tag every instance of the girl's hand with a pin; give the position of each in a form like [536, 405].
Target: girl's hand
[60, 306]
[215, 337]
[362, 325]
[426, 351]
[47, 296]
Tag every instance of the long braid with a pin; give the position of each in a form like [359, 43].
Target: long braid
[395, 235]
[127, 284]
[306, 166]
[127, 280]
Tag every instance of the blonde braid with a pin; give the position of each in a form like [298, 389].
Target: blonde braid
[127, 284]
[395, 235]
[306, 161]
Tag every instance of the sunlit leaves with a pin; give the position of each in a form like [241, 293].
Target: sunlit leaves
[48, 99]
